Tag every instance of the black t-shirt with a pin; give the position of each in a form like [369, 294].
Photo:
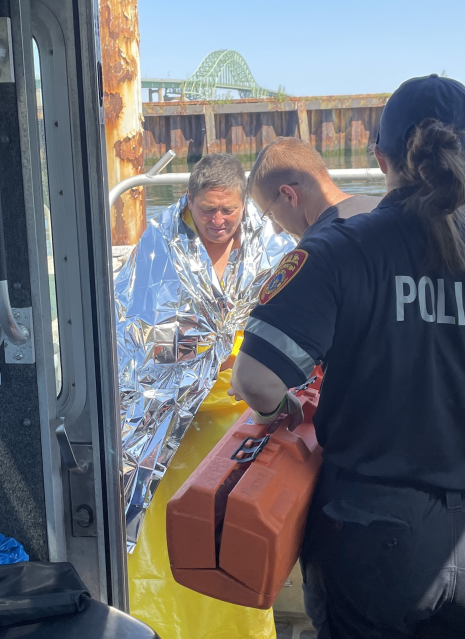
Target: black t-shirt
[359, 296]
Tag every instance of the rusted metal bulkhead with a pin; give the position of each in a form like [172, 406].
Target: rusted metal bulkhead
[119, 31]
[334, 125]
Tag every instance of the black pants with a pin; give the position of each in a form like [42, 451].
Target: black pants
[392, 560]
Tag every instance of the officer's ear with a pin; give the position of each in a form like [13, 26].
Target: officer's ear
[289, 194]
[189, 199]
[381, 160]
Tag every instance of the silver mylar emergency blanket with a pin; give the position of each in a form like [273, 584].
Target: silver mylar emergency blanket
[176, 325]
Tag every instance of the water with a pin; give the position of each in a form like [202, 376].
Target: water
[159, 197]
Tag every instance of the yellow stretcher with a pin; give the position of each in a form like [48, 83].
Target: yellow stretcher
[173, 611]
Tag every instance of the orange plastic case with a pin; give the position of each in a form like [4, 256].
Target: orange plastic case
[235, 527]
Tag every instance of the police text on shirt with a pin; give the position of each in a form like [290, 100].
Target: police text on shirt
[431, 298]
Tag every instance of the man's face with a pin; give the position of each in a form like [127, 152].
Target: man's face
[217, 214]
[283, 211]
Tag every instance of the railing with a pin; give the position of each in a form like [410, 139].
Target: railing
[356, 174]
[183, 178]
[152, 178]
[146, 179]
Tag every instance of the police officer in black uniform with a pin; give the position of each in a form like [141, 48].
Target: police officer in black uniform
[290, 184]
[379, 299]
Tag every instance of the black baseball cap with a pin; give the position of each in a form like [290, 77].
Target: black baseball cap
[415, 100]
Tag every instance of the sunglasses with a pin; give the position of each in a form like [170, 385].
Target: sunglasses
[267, 211]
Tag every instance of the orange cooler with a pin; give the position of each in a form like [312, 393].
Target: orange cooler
[235, 527]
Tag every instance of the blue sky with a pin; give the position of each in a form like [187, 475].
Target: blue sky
[313, 47]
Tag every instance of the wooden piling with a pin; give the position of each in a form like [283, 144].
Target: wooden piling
[119, 36]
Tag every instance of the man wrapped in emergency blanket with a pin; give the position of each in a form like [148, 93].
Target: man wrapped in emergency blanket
[182, 300]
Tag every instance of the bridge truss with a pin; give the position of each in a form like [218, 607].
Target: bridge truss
[218, 70]
[223, 70]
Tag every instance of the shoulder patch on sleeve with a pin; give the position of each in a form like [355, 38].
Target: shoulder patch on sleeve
[289, 267]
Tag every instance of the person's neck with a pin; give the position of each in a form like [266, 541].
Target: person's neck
[393, 181]
[325, 195]
[219, 252]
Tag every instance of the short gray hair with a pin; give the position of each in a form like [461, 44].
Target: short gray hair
[218, 172]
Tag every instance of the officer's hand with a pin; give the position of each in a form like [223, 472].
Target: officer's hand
[292, 408]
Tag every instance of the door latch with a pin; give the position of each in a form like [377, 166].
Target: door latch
[78, 459]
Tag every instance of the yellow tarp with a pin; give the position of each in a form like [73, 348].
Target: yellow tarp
[175, 612]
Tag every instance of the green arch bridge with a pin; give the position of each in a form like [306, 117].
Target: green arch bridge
[219, 70]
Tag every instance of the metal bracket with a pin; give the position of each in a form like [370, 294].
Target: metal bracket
[78, 459]
[21, 353]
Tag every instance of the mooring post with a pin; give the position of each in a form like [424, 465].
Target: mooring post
[210, 131]
[302, 115]
[119, 35]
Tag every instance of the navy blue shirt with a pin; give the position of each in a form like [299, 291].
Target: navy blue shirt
[349, 207]
[359, 297]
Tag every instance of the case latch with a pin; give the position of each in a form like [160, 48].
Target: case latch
[249, 449]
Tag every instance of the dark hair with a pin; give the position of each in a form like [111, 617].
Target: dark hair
[217, 171]
[434, 163]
